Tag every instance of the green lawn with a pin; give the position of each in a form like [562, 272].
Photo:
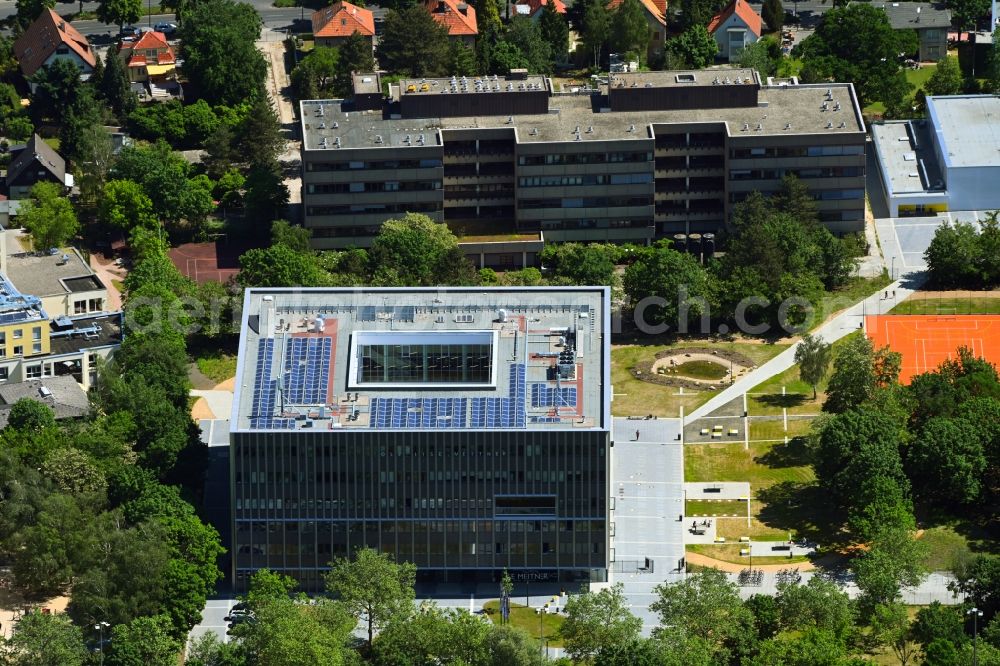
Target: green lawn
[525, 617]
[953, 305]
[701, 370]
[218, 367]
[715, 508]
[775, 429]
[786, 497]
[945, 547]
[766, 398]
[636, 397]
[916, 77]
[730, 552]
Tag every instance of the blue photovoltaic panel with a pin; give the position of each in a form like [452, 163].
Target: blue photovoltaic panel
[546, 396]
[265, 392]
[307, 370]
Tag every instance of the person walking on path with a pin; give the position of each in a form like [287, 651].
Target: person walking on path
[637, 435]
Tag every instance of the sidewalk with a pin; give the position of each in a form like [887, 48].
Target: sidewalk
[840, 326]
[278, 83]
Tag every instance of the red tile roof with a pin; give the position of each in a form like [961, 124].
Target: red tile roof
[744, 11]
[656, 8]
[135, 53]
[537, 5]
[342, 19]
[48, 32]
[458, 17]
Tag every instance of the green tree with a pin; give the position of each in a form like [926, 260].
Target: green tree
[52, 550]
[554, 30]
[462, 59]
[266, 196]
[115, 88]
[814, 647]
[879, 501]
[43, 640]
[821, 604]
[629, 29]
[30, 416]
[890, 627]
[124, 204]
[857, 44]
[355, 56]
[119, 12]
[29, 10]
[894, 560]
[433, 635]
[314, 77]
[946, 79]
[676, 277]
[260, 141]
[413, 43]
[280, 266]
[596, 621]
[416, 251]
[48, 216]
[73, 471]
[221, 59]
[763, 56]
[946, 462]
[988, 255]
[707, 606]
[813, 356]
[373, 588]
[965, 13]
[56, 89]
[952, 254]
[853, 447]
[78, 123]
[579, 264]
[938, 622]
[525, 35]
[296, 238]
[858, 371]
[596, 28]
[145, 641]
[773, 14]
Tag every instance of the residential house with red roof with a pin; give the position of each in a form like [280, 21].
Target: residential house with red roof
[735, 28]
[149, 60]
[334, 24]
[50, 38]
[656, 17]
[459, 17]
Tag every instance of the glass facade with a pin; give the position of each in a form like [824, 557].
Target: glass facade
[460, 505]
[417, 363]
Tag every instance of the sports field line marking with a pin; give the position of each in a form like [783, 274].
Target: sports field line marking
[923, 345]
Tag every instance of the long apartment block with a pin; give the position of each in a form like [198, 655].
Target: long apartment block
[508, 163]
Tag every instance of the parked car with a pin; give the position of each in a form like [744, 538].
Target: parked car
[168, 29]
[129, 31]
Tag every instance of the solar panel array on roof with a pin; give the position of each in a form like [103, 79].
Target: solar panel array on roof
[265, 392]
[307, 370]
[413, 413]
[372, 313]
[545, 396]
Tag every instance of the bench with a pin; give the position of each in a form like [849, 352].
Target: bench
[734, 431]
[704, 431]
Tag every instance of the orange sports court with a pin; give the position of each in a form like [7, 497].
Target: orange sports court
[925, 341]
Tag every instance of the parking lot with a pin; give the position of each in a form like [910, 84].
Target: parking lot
[905, 239]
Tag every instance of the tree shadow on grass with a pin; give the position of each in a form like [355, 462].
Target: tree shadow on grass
[800, 506]
[786, 401]
[794, 453]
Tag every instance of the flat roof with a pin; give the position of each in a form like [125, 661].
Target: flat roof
[545, 352]
[472, 84]
[967, 129]
[685, 78]
[781, 110]
[906, 156]
[90, 332]
[366, 84]
[42, 274]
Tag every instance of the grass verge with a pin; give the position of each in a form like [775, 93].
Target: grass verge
[526, 618]
[218, 367]
[715, 508]
[948, 306]
[730, 552]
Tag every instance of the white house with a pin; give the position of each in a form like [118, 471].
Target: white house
[735, 28]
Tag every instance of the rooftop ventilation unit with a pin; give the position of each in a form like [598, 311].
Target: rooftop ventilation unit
[590, 129]
[843, 125]
[336, 142]
[510, 120]
[829, 125]
[829, 93]
[760, 127]
[534, 131]
[631, 128]
[746, 126]
[335, 124]
[788, 126]
[824, 107]
[836, 107]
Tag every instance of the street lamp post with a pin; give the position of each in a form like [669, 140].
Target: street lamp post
[976, 614]
[100, 638]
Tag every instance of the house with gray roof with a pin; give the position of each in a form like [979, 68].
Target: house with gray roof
[33, 163]
[62, 395]
[930, 20]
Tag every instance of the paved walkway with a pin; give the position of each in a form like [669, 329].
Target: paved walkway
[219, 403]
[836, 328]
